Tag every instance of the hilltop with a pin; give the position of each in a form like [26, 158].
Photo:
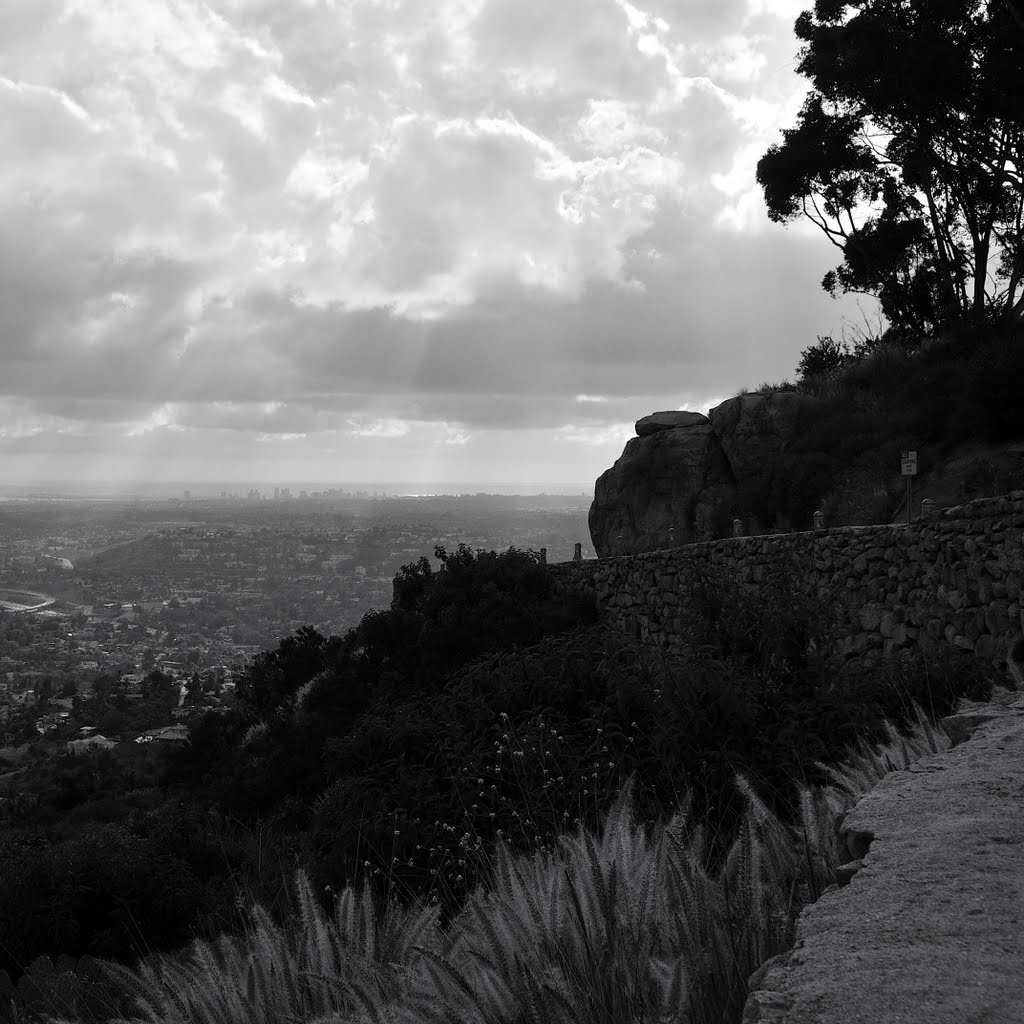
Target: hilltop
[829, 441]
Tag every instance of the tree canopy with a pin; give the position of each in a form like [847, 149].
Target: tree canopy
[908, 154]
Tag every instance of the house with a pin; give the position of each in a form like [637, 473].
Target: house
[177, 733]
[89, 745]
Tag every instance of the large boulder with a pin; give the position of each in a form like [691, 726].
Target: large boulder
[671, 478]
[659, 421]
[756, 427]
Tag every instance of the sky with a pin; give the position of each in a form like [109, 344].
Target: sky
[388, 240]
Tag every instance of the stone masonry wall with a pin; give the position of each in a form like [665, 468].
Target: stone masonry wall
[953, 576]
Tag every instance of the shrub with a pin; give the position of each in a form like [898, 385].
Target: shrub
[821, 362]
[104, 892]
[995, 388]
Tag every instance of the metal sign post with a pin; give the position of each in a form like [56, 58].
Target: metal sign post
[908, 467]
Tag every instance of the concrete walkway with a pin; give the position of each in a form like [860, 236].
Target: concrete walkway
[930, 930]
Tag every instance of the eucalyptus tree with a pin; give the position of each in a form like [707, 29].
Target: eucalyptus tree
[908, 154]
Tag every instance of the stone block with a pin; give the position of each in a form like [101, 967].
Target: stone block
[987, 647]
[997, 617]
[973, 624]
[870, 617]
[900, 636]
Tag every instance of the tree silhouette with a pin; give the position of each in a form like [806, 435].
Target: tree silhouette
[908, 154]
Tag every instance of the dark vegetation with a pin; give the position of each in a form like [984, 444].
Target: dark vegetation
[865, 403]
[485, 702]
[907, 155]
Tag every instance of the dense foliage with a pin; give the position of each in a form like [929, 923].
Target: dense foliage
[865, 403]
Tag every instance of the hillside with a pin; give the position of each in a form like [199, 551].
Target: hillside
[830, 441]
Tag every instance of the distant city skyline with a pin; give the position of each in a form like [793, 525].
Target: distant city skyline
[240, 490]
[458, 241]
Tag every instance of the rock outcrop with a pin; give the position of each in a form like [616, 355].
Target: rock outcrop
[669, 478]
[659, 421]
[680, 472]
[756, 427]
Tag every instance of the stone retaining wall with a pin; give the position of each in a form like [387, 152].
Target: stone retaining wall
[953, 576]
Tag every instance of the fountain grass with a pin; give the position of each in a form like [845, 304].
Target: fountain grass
[619, 926]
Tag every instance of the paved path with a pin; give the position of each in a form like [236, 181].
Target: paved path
[930, 930]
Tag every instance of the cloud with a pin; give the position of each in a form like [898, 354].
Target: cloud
[402, 227]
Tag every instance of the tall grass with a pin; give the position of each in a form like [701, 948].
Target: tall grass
[626, 924]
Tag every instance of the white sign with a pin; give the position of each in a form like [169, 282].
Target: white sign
[908, 463]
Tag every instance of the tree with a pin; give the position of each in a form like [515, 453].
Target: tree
[273, 676]
[194, 689]
[908, 154]
[157, 685]
[112, 723]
